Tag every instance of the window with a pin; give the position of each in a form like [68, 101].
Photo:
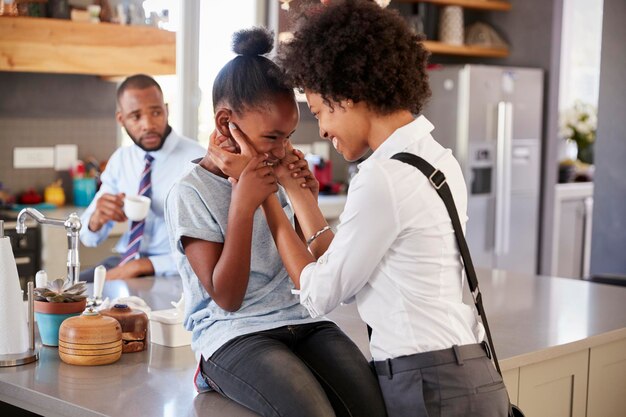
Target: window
[580, 52]
[218, 21]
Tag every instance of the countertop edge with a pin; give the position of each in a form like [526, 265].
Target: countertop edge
[560, 350]
[41, 404]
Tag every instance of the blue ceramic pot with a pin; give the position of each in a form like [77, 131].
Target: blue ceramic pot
[49, 324]
[49, 317]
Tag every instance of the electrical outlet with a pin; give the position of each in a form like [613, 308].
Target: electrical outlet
[35, 157]
[65, 157]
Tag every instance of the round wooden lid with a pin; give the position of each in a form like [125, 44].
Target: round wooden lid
[90, 328]
[132, 321]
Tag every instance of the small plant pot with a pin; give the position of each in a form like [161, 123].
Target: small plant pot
[49, 317]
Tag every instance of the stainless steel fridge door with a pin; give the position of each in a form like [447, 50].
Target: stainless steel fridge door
[484, 92]
[518, 168]
[517, 250]
[443, 108]
[504, 108]
[523, 87]
[494, 110]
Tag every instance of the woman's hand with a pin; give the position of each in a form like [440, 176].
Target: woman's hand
[231, 155]
[254, 185]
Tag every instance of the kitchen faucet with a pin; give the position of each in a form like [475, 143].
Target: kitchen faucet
[72, 226]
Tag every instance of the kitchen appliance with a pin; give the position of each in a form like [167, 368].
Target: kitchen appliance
[491, 118]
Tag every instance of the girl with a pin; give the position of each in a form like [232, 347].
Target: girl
[255, 343]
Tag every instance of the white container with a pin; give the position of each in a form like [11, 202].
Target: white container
[451, 25]
[166, 328]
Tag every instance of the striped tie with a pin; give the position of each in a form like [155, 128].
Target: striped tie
[136, 228]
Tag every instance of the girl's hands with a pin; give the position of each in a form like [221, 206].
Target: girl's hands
[231, 155]
[255, 184]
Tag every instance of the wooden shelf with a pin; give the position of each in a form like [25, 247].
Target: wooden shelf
[464, 50]
[63, 46]
[498, 5]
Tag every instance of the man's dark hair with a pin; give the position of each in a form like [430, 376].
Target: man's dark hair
[249, 79]
[139, 82]
[355, 50]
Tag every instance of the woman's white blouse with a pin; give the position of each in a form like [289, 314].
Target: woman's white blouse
[395, 252]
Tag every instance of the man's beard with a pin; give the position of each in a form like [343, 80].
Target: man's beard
[168, 129]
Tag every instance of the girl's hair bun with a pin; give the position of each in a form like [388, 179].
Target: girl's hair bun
[252, 42]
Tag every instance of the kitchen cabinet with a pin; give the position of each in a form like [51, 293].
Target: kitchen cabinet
[607, 380]
[571, 246]
[466, 50]
[590, 382]
[63, 46]
[555, 387]
[511, 381]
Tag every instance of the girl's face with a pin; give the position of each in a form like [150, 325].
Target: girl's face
[269, 127]
[345, 124]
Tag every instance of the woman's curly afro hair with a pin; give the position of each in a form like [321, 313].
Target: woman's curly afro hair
[355, 50]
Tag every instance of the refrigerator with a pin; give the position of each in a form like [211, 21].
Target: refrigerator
[491, 118]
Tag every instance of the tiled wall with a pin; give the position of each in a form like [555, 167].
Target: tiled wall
[51, 109]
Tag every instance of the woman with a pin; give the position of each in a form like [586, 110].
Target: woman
[255, 343]
[364, 76]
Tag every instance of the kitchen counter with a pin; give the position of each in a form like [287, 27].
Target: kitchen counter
[533, 319]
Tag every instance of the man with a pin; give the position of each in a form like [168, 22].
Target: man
[157, 159]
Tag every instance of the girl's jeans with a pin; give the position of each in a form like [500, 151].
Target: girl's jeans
[305, 371]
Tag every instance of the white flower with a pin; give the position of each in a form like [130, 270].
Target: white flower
[579, 123]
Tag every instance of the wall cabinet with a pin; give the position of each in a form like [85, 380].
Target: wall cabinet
[63, 46]
[468, 4]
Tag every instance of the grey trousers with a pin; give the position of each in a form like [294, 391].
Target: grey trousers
[455, 382]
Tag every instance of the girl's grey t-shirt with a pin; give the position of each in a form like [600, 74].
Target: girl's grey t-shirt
[197, 206]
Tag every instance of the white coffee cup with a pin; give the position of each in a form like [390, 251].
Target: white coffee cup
[136, 207]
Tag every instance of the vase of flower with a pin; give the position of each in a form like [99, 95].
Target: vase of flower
[579, 124]
[585, 154]
[54, 303]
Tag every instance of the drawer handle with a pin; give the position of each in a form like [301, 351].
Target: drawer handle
[22, 260]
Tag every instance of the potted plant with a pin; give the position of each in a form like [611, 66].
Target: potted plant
[578, 124]
[55, 302]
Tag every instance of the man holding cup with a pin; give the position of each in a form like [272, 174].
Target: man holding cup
[135, 183]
